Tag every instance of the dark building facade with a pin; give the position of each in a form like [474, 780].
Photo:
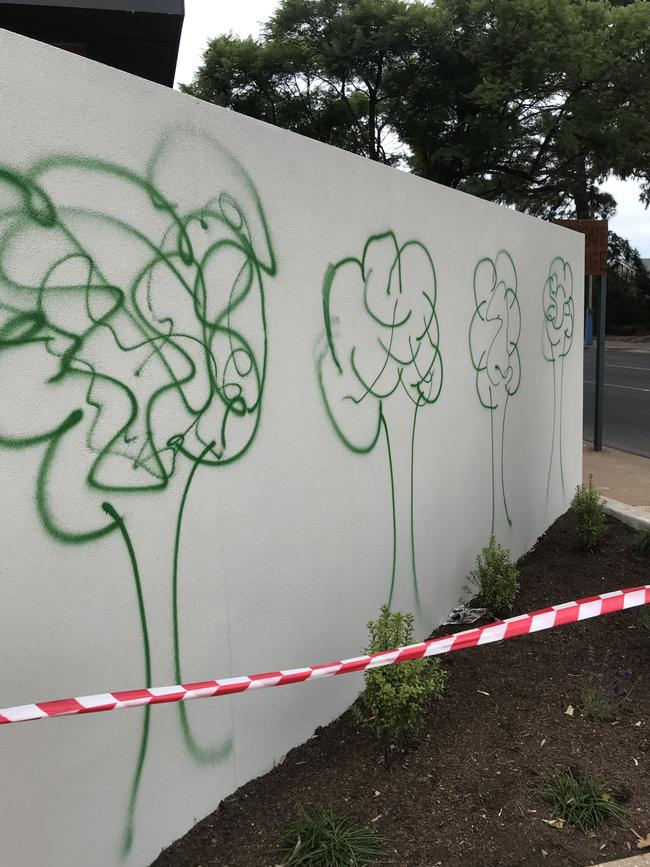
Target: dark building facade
[138, 36]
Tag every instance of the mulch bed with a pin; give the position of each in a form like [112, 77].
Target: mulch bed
[468, 794]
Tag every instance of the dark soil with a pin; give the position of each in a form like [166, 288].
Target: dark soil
[468, 795]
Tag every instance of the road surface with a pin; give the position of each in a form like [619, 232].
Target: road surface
[627, 399]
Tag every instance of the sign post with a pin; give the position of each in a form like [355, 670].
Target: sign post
[596, 238]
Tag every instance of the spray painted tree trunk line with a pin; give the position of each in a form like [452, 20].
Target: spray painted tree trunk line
[498, 416]
[201, 754]
[127, 839]
[400, 448]
[560, 426]
[555, 465]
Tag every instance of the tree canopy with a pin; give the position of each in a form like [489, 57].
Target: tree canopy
[525, 102]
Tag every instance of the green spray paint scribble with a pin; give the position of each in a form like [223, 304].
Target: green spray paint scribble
[134, 332]
[557, 338]
[493, 341]
[127, 841]
[382, 340]
[200, 754]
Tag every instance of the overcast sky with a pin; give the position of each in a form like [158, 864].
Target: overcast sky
[205, 19]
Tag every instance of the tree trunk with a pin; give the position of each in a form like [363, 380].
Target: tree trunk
[580, 192]
[372, 125]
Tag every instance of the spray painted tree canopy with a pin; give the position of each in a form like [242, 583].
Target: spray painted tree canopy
[393, 289]
[495, 330]
[494, 348]
[559, 310]
[557, 339]
[382, 342]
[129, 361]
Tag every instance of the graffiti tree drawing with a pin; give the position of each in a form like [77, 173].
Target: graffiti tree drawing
[132, 313]
[381, 358]
[557, 338]
[493, 339]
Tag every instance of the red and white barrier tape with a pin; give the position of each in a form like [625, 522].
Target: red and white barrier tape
[546, 618]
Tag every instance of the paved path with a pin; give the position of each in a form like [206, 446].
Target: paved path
[627, 399]
[639, 861]
[618, 475]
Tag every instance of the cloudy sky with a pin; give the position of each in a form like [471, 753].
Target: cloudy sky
[204, 20]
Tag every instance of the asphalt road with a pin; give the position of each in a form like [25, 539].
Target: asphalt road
[626, 423]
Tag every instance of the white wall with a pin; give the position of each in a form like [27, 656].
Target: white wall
[287, 551]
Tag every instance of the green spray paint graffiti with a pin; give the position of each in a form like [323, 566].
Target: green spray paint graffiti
[382, 340]
[493, 340]
[133, 330]
[127, 840]
[557, 338]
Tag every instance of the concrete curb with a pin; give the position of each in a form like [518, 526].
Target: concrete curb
[631, 861]
[634, 516]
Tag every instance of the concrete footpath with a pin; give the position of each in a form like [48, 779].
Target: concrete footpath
[632, 344]
[639, 861]
[623, 478]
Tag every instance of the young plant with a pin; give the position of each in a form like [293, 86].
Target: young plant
[496, 578]
[323, 838]
[602, 700]
[596, 703]
[396, 698]
[579, 800]
[642, 540]
[587, 508]
[644, 618]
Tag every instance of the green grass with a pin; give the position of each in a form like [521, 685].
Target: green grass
[580, 800]
[595, 701]
[324, 838]
[642, 539]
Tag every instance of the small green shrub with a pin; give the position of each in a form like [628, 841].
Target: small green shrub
[587, 508]
[496, 578]
[580, 800]
[396, 698]
[603, 697]
[596, 702]
[323, 838]
[642, 540]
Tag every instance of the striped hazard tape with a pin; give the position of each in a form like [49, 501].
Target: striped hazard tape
[546, 618]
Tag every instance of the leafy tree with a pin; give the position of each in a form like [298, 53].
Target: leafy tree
[319, 70]
[528, 102]
[628, 289]
[531, 103]
[277, 82]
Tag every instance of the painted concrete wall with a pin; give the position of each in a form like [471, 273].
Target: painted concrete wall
[251, 387]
